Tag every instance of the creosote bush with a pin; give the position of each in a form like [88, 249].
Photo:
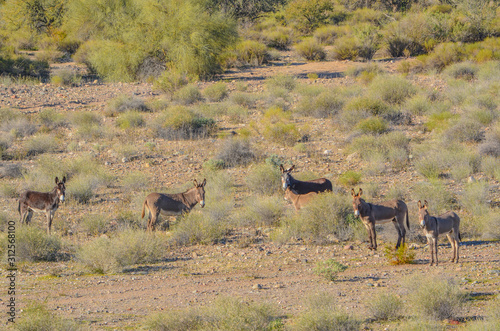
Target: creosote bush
[34, 244]
[385, 306]
[329, 269]
[310, 50]
[403, 255]
[264, 179]
[180, 122]
[36, 316]
[216, 92]
[236, 152]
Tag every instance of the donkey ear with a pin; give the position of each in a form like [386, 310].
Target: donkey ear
[292, 167]
[204, 182]
[360, 192]
[57, 180]
[195, 182]
[426, 204]
[64, 179]
[419, 204]
[281, 168]
[353, 193]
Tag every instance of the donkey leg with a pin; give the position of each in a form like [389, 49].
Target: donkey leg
[29, 216]
[451, 239]
[431, 249]
[374, 236]
[50, 215]
[436, 249]
[399, 231]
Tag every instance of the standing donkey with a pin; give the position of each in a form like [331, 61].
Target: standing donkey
[46, 201]
[448, 223]
[173, 204]
[303, 187]
[392, 210]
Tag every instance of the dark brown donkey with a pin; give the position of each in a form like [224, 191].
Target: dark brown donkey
[448, 223]
[303, 187]
[46, 201]
[173, 204]
[393, 210]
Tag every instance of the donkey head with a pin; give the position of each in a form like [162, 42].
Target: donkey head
[200, 192]
[286, 177]
[61, 188]
[357, 202]
[423, 213]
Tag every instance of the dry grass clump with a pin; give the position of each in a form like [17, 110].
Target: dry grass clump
[434, 297]
[435, 192]
[264, 179]
[34, 244]
[88, 125]
[323, 105]
[124, 103]
[385, 306]
[216, 92]
[129, 247]
[41, 143]
[94, 224]
[372, 125]
[223, 314]
[491, 143]
[36, 316]
[392, 89]
[18, 127]
[10, 170]
[187, 95]
[50, 119]
[180, 122]
[236, 152]
[260, 211]
[329, 269]
[130, 119]
[322, 313]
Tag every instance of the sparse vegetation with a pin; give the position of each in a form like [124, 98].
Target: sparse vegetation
[329, 269]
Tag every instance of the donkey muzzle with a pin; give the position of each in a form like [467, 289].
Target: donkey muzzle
[202, 203]
[356, 213]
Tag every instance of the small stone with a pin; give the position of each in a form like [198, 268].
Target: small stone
[257, 287]
[125, 160]
[348, 247]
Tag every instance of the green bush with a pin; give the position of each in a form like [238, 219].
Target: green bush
[375, 106]
[94, 224]
[435, 298]
[324, 105]
[216, 92]
[130, 119]
[326, 35]
[260, 211]
[236, 152]
[66, 78]
[135, 180]
[349, 178]
[51, 119]
[281, 81]
[243, 99]
[403, 255]
[310, 50]
[188, 95]
[385, 306]
[346, 48]
[308, 15]
[329, 269]
[393, 90]
[251, 52]
[418, 105]
[465, 71]
[180, 122]
[125, 103]
[373, 125]
[435, 192]
[465, 131]
[170, 81]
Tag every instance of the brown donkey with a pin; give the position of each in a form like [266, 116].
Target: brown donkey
[173, 204]
[371, 214]
[299, 200]
[303, 187]
[46, 201]
[448, 223]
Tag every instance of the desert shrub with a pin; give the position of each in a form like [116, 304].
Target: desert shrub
[329, 269]
[466, 71]
[464, 164]
[261, 211]
[491, 144]
[10, 170]
[94, 224]
[490, 166]
[393, 90]
[208, 227]
[51, 119]
[283, 133]
[474, 197]
[402, 255]
[385, 306]
[327, 34]
[308, 15]
[323, 314]
[18, 127]
[83, 188]
[323, 220]
[243, 99]
[8, 191]
[280, 38]
[251, 52]
[34, 244]
[216, 92]
[310, 50]
[443, 55]
[323, 105]
[366, 145]
[434, 297]
[129, 247]
[136, 180]
[236, 152]
[491, 322]
[188, 95]
[439, 120]
[264, 179]
[373, 125]
[349, 178]
[39, 144]
[430, 166]
[223, 314]
[418, 104]
[36, 316]
[346, 48]
[281, 81]
[170, 81]
[88, 125]
[65, 78]
[465, 131]
[130, 119]
[375, 106]
[125, 103]
[180, 122]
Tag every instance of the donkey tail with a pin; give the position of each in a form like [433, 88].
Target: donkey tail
[459, 236]
[407, 220]
[19, 207]
[143, 208]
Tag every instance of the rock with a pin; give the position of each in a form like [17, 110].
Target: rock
[471, 179]
[257, 287]
[348, 247]
[125, 159]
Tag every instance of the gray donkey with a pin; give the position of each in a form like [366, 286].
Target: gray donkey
[448, 223]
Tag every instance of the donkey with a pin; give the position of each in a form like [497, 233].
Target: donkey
[393, 210]
[47, 201]
[299, 200]
[303, 187]
[448, 223]
[173, 204]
